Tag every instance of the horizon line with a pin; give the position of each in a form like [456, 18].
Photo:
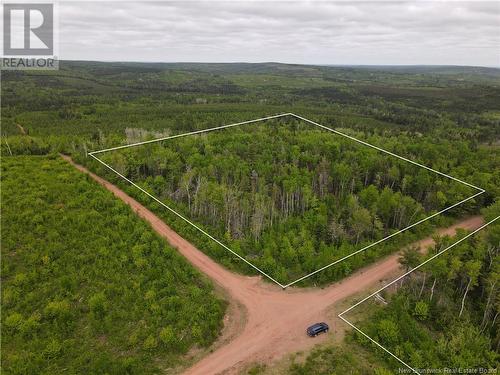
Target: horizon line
[283, 63]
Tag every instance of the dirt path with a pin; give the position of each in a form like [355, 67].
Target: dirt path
[275, 319]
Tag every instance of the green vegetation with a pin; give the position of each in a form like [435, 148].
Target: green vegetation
[87, 287]
[94, 290]
[346, 358]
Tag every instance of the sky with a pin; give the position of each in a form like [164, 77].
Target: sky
[303, 32]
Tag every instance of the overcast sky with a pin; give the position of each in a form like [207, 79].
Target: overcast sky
[310, 32]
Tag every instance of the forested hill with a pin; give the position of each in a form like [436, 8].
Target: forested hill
[93, 97]
[443, 117]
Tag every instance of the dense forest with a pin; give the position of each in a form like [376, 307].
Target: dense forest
[87, 287]
[287, 196]
[292, 197]
[91, 104]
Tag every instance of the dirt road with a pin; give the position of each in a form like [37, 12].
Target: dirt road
[275, 319]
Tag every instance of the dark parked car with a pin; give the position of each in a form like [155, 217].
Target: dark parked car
[317, 328]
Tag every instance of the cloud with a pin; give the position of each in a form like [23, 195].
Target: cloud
[312, 32]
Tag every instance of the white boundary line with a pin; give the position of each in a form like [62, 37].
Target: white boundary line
[385, 151]
[395, 281]
[284, 286]
[383, 239]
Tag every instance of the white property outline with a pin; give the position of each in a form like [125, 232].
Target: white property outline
[395, 281]
[284, 286]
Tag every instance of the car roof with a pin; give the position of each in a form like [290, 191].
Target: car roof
[318, 325]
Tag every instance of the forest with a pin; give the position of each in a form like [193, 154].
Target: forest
[287, 196]
[87, 287]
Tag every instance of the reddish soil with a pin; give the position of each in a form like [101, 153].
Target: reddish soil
[275, 319]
